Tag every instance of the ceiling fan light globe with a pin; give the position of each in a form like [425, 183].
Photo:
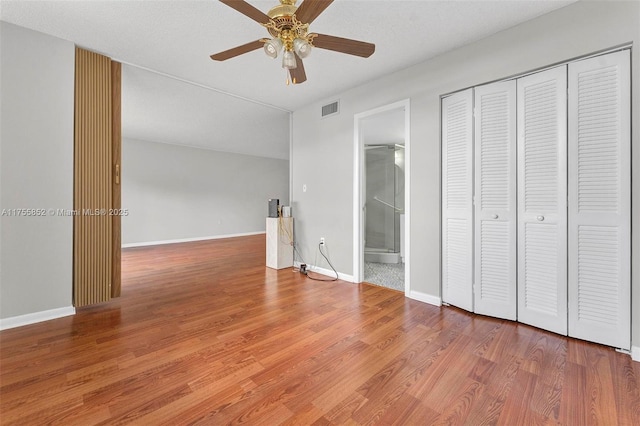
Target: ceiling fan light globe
[301, 47]
[289, 60]
[272, 47]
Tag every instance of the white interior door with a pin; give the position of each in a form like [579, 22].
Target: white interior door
[495, 200]
[457, 199]
[599, 200]
[542, 200]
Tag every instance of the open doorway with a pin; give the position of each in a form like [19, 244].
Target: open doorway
[381, 196]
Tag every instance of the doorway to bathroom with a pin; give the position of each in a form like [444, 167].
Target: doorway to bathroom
[381, 200]
[384, 214]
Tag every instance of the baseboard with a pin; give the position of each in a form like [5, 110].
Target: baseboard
[635, 353]
[189, 240]
[424, 297]
[20, 320]
[327, 272]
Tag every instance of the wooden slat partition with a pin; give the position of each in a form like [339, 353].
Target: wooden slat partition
[116, 202]
[93, 257]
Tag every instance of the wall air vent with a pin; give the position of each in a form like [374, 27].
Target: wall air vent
[330, 109]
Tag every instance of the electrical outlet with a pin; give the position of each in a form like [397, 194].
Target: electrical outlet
[321, 241]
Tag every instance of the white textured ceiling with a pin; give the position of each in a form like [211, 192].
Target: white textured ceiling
[176, 37]
[160, 109]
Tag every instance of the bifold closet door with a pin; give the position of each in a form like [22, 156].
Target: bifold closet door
[599, 200]
[495, 200]
[542, 200]
[457, 199]
[96, 233]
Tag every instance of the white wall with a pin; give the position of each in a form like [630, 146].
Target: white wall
[36, 168]
[326, 208]
[175, 192]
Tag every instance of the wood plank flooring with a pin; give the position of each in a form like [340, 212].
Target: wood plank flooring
[205, 334]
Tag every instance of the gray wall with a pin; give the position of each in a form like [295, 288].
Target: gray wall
[36, 168]
[326, 208]
[175, 192]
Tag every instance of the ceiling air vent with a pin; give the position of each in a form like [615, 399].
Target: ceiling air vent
[330, 109]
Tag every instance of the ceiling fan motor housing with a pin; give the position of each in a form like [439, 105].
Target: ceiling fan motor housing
[284, 25]
[285, 8]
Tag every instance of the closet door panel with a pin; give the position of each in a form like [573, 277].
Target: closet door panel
[495, 200]
[542, 195]
[93, 180]
[599, 199]
[457, 199]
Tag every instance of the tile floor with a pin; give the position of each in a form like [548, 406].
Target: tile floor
[390, 275]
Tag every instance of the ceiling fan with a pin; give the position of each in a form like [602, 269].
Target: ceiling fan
[288, 26]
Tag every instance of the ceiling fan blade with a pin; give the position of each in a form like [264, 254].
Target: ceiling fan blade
[309, 10]
[236, 51]
[344, 45]
[297, 74]
[247, 10]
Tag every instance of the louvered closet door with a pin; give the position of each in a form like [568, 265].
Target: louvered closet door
[542, 195]
[599, 200]
[495, 200]
[457, 199]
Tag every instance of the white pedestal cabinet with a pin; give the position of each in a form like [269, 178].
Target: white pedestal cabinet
[279, 242]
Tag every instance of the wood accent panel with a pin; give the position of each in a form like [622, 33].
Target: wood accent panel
[92, 179]
[116, 202]
[206, 334]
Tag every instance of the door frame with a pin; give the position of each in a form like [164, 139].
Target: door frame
[359, 192]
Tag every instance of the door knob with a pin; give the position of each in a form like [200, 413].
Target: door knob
[495, 216]
[540, 218]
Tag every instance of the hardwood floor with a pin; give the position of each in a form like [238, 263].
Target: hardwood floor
[205, 334]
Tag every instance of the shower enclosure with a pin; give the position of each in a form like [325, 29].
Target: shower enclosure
[384, 208]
